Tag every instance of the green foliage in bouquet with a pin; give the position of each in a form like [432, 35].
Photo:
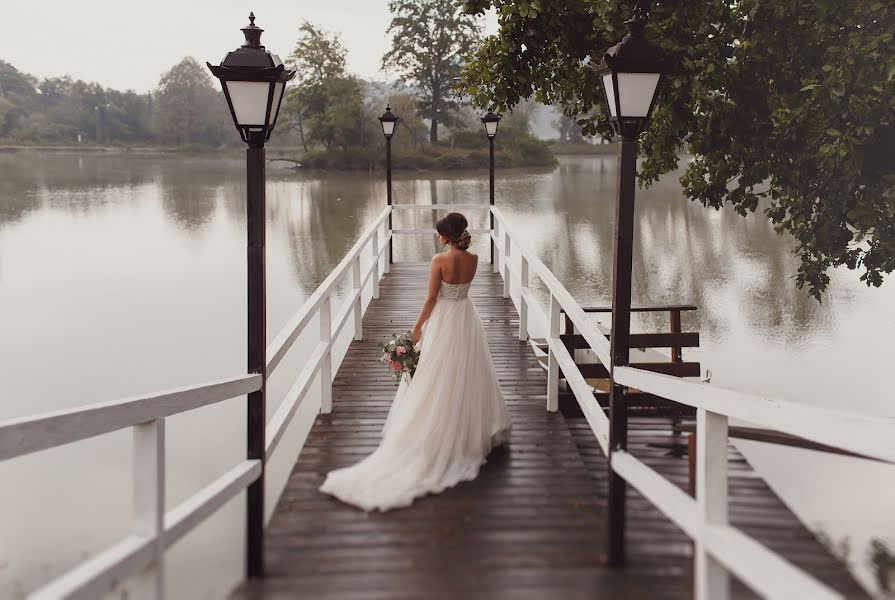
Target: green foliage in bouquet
[400, 354]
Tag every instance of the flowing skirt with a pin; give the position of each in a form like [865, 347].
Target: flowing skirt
[441, 425]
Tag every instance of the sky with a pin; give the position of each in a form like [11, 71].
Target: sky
[128, 44]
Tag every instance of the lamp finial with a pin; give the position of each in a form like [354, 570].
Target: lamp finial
[252, 33]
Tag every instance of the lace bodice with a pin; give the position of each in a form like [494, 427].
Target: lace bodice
[454, 291]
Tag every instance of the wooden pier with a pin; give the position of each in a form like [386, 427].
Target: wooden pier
[648, 501]
[531, 526]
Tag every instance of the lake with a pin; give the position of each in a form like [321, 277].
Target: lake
[125, 274]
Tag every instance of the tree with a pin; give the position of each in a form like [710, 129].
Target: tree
[569, 129]
[430, 41]
[18, 94]
[325, 103]
[317, 57]
[188, 108]
[788, 103]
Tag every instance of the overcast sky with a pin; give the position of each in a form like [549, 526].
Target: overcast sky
[127, 44]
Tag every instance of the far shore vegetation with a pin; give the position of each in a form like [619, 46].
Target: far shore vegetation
[328, 118]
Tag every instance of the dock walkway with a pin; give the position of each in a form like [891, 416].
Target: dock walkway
[531, 526]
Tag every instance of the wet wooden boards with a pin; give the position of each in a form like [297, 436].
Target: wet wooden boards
[531, 526]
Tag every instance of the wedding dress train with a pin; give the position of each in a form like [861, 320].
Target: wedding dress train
[441, 425]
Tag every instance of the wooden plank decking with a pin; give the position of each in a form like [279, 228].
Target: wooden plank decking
[531, 525]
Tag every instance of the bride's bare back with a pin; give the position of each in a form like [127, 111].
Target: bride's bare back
[457, 266]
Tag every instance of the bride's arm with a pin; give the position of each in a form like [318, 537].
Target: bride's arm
[431, 297]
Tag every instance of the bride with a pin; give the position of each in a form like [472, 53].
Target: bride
[443, 423]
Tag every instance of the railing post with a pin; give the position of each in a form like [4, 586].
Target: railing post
[495, 263]
[358, 314]
[376, 259]
[506, 265]
[149, 502]
[552, 365]
[523, 301]
[674, 316]
[712, 579]
[326, 366]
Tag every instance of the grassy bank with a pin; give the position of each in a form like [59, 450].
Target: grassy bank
[466, 150]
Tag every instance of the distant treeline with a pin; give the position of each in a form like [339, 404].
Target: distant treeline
[185, 109]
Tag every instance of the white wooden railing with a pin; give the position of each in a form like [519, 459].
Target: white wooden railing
[720, 548]
[140, 555]
[437, 208]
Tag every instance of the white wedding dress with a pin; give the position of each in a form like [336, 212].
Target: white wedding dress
[442, 424]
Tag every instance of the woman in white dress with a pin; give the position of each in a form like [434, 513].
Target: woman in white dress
[442, 424]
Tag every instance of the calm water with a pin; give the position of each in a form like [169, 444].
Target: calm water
[125, 275]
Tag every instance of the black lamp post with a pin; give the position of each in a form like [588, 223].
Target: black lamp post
[630, 71]
[389, 121]
[253, 80]
[490, 122]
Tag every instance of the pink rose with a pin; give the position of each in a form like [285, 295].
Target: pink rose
[395, 366]
[400, 350]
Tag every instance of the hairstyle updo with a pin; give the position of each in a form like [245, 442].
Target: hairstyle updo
[452, 227]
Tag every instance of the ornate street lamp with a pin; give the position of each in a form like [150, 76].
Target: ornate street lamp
[630, 72]
[389, 121]
[490, 122]
[253, 80]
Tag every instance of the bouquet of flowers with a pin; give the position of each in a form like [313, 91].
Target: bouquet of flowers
[401, 356]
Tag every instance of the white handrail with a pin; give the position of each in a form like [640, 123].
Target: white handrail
[283, 341]
[873, 437]
[587, 328]
[32, 434]
[453, 207]
[719, 547]
[431, 230]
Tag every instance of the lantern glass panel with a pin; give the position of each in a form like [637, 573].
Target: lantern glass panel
[491, 128]
[609, 87]
[635, 93]
[275, 107]
[249, 100]
[388, 127]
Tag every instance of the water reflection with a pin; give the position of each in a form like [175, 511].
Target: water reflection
[136, 263]
[736, 270]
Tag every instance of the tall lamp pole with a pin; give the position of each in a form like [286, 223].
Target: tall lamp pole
[630, 71]
[253, 81]
[388, 121]
[490, 122]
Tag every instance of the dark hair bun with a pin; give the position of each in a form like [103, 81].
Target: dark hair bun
[452, 227]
